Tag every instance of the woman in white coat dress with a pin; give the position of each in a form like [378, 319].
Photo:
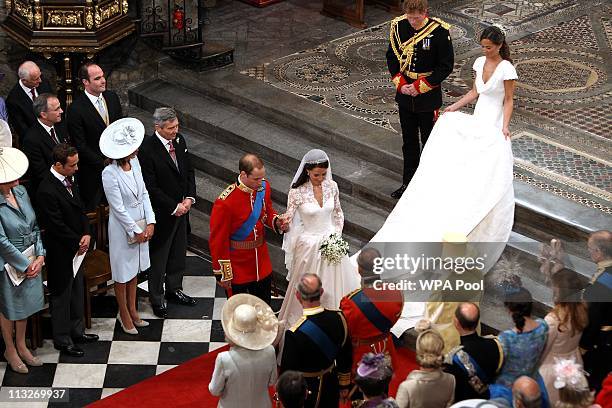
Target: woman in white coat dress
[131, 220]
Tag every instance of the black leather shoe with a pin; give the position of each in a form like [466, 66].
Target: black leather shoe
[178, 296]
[160, 311]
[397, 194]
[86, 338]
[71, 350]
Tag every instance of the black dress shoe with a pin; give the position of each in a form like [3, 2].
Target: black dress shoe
[178, 296]
[71, 350]
[86, 338]
[397, 194]
[160, 311]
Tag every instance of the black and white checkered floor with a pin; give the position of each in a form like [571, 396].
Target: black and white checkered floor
[120, 360]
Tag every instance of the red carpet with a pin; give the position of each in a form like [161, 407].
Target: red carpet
[187, 385]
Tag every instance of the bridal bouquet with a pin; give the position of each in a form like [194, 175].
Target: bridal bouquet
[334, 248]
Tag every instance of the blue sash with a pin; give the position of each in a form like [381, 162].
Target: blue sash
[318, 337]
[245, 229]
[480, 373]
[370, 311]
[606, 279]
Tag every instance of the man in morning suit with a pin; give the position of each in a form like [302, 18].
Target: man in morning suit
[371, 313]
[596, 338]
[20, 98]
[170, 180]
[318, 346]
[240, 259]
[41, 138]
[476, 362]
[88, 115]
[66, 233]
[419, 58]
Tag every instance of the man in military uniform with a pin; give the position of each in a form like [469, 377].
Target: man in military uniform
[370, 313]
[419, 58]
[596, 340]
[318, 346]
[477, 361]
[240, 258]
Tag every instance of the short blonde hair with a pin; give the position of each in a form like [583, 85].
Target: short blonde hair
[415, 6]
[429, 346]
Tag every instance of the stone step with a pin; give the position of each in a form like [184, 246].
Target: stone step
[276, 144]
[220, 160]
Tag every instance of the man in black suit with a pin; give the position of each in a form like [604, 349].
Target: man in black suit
[87, 117]
[20, 98]
[170, 180]
[476, 362]
[41, 138]
[66, 233]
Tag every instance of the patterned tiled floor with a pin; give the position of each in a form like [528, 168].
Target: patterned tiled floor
[561, 51]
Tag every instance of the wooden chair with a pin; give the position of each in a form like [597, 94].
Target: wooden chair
[96, 265]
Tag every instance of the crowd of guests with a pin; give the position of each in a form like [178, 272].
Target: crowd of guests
[562, 360]
[59, 168]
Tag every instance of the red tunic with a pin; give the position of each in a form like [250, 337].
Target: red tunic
[229, 212]
[365, 336]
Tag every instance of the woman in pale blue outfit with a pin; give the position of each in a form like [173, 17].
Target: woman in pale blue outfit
[18, 231]
[131, 220]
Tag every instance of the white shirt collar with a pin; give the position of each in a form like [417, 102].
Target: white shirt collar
[57, 175]
[163, 140]
[47, 128]
[93, 99]
[26, 89]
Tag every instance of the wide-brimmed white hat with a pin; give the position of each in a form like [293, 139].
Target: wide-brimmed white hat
[121, 138]
[249, 322]
[13, 164]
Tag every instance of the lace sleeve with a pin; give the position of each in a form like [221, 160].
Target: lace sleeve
[294, 199]
[338, 215]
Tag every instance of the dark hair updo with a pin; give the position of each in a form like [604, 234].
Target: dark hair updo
[520, 305]
[497, 37]
[307, 167]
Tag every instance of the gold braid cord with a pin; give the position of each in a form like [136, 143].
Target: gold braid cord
[407, 48]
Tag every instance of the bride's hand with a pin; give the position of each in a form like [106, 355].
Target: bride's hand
[451, 108]
[506, 133]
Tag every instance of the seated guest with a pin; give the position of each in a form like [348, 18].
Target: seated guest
[19, 100]
[42, 137]
[429, 386]
[373, 377]
[88, 115]
[572, 385]
[318, 346]
[565, 324]
[476, 362]
[67, 234]
[131, 220]
[371, 313]
[243, 374]
[291, 390]
[18, 232]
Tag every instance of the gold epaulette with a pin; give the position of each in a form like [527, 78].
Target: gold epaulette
[398, 19]
[448, 358]
[227, 191]
[298, 323]
[442, 23]
[353, 293]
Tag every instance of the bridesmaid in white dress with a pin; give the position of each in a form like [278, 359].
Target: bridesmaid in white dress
[314, 213]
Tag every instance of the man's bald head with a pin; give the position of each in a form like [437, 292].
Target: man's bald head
[29, 74]
[365, 263]
[526, 393]
[248, 162]
[310, 288]
[467, 315]
[600, 245]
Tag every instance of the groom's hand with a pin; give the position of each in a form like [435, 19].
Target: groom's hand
[409, 90]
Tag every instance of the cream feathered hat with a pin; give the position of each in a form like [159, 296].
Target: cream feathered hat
[249, 322]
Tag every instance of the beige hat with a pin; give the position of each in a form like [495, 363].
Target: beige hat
[121, 138]
[13, 164]
[249, 322]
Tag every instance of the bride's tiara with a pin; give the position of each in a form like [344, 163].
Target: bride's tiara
[319, 161]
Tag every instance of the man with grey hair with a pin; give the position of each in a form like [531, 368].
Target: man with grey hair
[526, 393]
[314, 343]
[170, 180]
[88, 115]
[20, 98]
[41, 138]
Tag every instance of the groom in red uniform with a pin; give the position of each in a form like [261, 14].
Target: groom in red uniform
[370, 313]
[240, 258]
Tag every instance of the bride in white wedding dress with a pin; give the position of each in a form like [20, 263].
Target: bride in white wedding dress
[314, 213]
[463, 184]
